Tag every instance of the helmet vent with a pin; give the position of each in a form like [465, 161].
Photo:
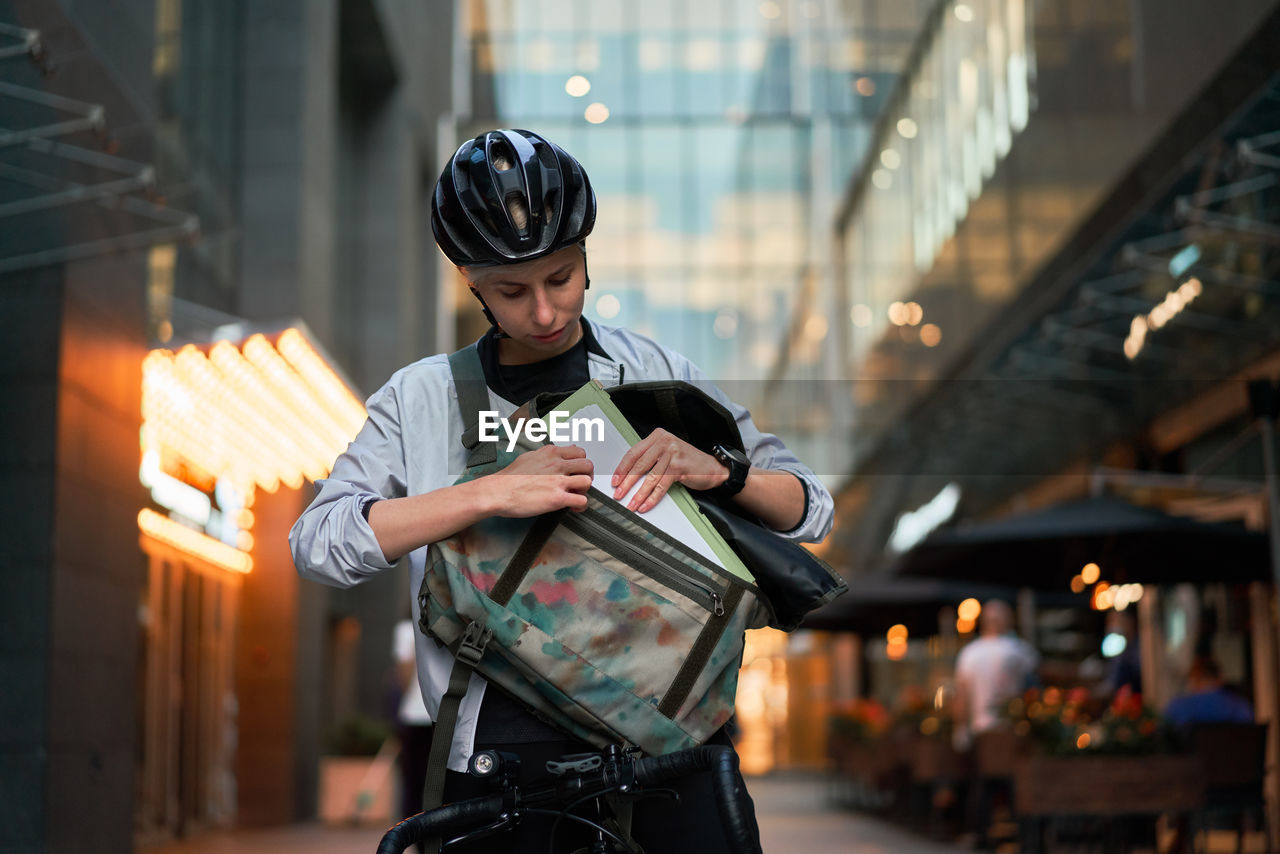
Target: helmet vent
[501, 159]
[519, 212]
[549, 208]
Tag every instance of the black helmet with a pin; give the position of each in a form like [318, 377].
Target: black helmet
[509, 196]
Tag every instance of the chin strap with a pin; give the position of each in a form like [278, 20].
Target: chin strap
[493, 321]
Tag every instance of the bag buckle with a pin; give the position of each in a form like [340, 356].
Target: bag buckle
[474, 639]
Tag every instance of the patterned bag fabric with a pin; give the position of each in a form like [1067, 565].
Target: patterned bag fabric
[598, 621]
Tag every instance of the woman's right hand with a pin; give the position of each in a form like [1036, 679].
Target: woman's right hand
[537, 482]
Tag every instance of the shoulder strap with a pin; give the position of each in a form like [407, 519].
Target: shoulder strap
[470, 650]
[473, 396]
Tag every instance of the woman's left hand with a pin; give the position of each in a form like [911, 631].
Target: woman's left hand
[663, 459]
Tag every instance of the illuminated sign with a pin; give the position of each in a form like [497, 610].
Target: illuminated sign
[165, 530]
[219, 425]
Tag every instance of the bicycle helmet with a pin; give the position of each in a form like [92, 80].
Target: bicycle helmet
[509, 196]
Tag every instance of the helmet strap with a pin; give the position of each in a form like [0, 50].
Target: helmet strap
[488, 314]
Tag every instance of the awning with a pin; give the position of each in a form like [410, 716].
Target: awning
[62, 196]
[878, 601]
[1045, 549]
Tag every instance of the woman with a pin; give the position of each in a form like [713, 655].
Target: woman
[512, 211]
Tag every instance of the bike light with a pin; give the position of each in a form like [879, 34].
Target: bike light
[484, 763]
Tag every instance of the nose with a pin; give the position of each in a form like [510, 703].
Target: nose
[543, 311]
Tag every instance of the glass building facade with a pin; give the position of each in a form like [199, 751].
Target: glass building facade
[716, 136]
[1010, 201]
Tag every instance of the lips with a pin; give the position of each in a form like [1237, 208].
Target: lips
[547, 339]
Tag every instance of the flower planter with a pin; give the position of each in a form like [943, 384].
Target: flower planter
[355, 790]
[1106, 785]
[996, 751]
[934, 760]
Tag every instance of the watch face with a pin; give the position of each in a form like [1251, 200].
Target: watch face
[738, 464]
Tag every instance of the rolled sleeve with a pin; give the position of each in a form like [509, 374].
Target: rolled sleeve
[332, 541]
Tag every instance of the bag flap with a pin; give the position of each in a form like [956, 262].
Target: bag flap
[678, 406]
[792, 580]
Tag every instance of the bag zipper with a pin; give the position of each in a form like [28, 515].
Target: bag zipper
[593, 533]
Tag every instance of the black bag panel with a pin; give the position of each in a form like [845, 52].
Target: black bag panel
[792, 580]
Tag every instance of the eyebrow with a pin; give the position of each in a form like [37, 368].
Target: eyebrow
[509, 284]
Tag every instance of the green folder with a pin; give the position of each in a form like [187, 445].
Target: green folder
[593, 393]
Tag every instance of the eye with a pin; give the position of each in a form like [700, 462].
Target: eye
[558, 281]
[513, 293]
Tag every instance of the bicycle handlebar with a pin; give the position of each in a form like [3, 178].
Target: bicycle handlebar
[451, 818]
[722, 762]
[472, 814]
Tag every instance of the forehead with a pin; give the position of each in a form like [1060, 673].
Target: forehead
[528, 271]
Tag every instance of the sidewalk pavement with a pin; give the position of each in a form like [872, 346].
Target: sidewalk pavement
[794, 812]
[796, 815]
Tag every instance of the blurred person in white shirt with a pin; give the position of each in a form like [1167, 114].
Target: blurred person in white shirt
[993, 669]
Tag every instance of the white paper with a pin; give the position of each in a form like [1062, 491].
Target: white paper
[605, 454]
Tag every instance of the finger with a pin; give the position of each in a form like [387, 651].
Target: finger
[570, 452]
[579, 483]
[628, 460]
[578, 466]
[639, 468]
[654, 486]
[662, 488]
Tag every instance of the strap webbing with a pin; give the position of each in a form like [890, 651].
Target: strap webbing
[470, 650]
[473, 396]
[698, 656]
[522, 560]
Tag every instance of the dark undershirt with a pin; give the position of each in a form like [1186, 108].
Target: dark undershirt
[521, 383]
[504, 720]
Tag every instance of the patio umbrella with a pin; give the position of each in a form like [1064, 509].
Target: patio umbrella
[1129, 543]
[879, 600]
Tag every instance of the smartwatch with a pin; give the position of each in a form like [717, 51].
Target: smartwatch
[737, 464]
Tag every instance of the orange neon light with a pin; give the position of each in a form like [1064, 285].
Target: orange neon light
[165, 530]
[258, 416]
[331, 391]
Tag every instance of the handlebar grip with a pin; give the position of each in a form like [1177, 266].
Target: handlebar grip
[739, 822]
[450, 818]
